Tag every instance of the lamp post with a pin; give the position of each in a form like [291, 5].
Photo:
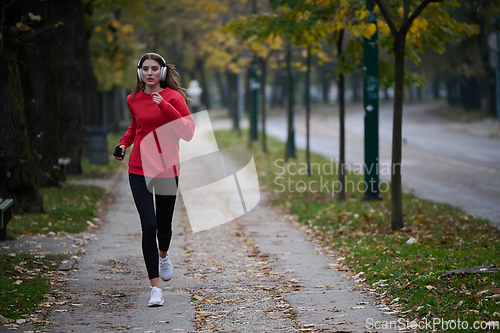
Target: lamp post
[494, 45]
[290, 145]
[370, 103]
[254, 86]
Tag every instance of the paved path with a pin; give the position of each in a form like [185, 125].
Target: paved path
[259, 273]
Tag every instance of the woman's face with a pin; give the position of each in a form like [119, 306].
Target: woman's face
[151, 71]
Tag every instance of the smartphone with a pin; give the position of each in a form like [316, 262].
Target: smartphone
[118, 152]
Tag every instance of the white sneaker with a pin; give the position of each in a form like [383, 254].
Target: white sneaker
[156, 297]
[165, 268]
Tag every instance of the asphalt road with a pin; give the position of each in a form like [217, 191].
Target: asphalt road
[448, 162]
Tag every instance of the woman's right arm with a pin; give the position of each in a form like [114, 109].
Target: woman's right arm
[128, 138]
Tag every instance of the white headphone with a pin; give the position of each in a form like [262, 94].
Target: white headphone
[163, 74]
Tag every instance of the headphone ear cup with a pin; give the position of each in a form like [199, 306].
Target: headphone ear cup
[163, 73]
[139, 73]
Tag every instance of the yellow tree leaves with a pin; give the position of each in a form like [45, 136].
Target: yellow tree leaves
[365, 29]
[383, 27]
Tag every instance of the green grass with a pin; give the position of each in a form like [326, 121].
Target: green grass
[30, 271]
[68, 208]
[446, 237]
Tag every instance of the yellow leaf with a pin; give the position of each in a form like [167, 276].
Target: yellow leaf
[114, 23]
[361, 14]
[376, 9]
[126, 29]
[321, 55]
[323, 3]
[218, 265]
[423, 24]
[370, 30]
[414, 28]
[383, 27]
[356, 31]
[276, 43]
[98, 29]
[109, 36]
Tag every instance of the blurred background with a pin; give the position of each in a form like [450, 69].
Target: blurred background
[67, 67]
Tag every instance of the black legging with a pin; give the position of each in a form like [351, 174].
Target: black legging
[153, 224]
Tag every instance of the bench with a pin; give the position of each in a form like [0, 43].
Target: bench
[63, 163]
[6, 212]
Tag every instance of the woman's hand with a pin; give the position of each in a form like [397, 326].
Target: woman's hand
[157, 98]
[123, 152]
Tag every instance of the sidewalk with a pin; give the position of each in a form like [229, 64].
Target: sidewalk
[259, 273]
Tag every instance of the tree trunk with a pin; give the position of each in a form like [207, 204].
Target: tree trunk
[290, 143]
[356, 97]
[474, 94]
[222, 90]
[341, 99]
[18, 167]
[263, 69]
[39, 86]
[70, 48]
[396, 188]
[279, 89]
[249, 103]
[386, 94]
[308, 110]
[435, 87]
[204, 93]
[232, 83]
[325, 81]
[451, 88]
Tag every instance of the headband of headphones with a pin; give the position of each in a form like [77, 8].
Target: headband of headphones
[164, 68]
[156, 54]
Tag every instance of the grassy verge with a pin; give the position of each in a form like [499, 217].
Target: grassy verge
[446, 238]
[24, 282]
[68, 208]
